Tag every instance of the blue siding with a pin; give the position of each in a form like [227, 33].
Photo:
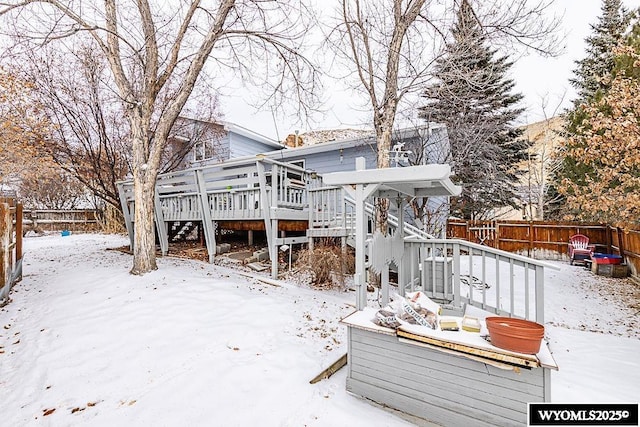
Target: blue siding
[436, 150]
[332, 160]
[329, 161]
[241, 146]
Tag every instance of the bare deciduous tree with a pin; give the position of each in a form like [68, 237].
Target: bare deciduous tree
[89, 139]
[90, 136]
[542, 161]
[52, 188]
[389, 47]
[157, 52]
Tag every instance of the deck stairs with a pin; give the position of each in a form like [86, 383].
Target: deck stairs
[328, 221]
[179, 231]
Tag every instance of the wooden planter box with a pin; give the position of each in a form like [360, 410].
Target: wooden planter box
[440, 384]
[610, 270]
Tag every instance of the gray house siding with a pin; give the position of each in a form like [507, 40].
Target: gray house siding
[337, 158]
[241, 146]
[336, 161]
[223, 149]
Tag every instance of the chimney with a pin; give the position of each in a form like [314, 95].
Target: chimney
[293, 140]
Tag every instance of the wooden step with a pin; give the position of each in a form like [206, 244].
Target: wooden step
[328, 232]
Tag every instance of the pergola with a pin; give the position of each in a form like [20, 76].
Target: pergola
[390, 183]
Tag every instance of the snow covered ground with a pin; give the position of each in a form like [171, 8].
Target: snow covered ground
[85, 343]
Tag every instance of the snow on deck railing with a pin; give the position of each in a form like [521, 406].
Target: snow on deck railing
[462, 272]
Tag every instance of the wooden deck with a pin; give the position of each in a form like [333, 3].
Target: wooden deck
[293, 206]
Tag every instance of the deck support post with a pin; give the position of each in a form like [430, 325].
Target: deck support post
[250, 237]
[362, 193]
[539, 294]
[384, 283]
[161, 226]
[456, 274]
[265, 206]
[126, 213]
[273, 249]
[207, 222]
[400, 229]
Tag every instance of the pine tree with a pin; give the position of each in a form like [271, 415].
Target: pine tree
[473, 97]
[592, 70]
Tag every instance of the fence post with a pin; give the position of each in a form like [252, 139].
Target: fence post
[530, 249]
[19, 230]
[497, 231]
[6, 227]
[620, 242]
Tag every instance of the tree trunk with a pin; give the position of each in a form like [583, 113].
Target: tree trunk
[383, 136]
[144, 247]
[145, 171]
[540, 210]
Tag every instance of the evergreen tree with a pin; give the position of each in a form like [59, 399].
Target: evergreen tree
[592, 70]
[609, 146]
[473, 97]
[592, 81]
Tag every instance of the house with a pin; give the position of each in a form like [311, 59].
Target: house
[320, 151]
[252, 183]
[307, 191]
[195, 142]
[544, 138]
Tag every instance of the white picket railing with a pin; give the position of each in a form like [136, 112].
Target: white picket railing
[462, 272]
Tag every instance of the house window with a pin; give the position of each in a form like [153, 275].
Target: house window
[298, 163]
[294, 174]
[207, 148]
[199, 151]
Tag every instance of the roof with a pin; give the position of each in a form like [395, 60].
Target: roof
[303, 150]
[287, 152]
[240, 130]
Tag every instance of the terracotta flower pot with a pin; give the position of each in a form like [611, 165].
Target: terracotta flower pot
[521, 336]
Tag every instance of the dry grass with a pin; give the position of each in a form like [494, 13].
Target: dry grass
[111, 221]
[327, 264]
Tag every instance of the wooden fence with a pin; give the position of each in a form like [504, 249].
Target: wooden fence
[10, 246]
[62, 219]
[548, 239]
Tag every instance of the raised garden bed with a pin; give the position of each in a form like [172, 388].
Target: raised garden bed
[606, 258]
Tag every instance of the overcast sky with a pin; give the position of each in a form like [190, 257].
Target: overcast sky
[539, 79]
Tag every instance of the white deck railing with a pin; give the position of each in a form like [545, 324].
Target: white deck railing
[467, 273]
[235, 204]
[231, 192]
[181, 207]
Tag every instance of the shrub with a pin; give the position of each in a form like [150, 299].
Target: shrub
[327, 263]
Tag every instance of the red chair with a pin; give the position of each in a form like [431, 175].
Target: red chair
[579, 248]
